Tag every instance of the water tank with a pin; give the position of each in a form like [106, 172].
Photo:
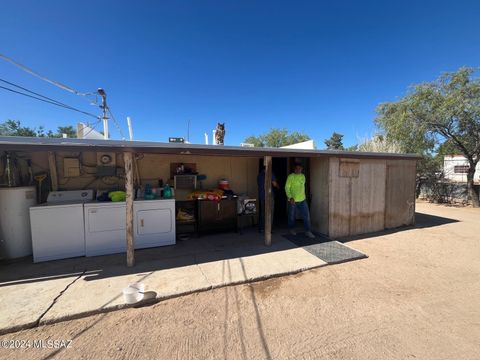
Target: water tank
[15, 236]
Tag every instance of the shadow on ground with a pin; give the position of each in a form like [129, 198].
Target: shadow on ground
[184, 253]
[422, 221]
[187, 252]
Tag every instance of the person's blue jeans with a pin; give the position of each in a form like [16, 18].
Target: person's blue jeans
[302, 207]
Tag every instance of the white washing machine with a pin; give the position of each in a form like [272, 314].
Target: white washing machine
[57, 227]
[105, 228]
[105, 225]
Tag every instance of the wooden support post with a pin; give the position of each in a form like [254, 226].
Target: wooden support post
[268, 200]
[129, 173]
[52, 164]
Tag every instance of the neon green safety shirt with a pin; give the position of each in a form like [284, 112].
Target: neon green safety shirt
[295, 187]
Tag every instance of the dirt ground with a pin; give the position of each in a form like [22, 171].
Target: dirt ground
[416, 296]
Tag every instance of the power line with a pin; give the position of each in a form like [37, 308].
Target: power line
[49, 101]
[44, 78]
[117, 125]
[92, 127]
[58, 84]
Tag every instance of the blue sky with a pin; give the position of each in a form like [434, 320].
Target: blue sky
[312, 66]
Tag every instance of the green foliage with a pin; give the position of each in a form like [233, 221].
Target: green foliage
[277, 138]
[445, 110]
[69, 130]
[14, 128]
[352, 148]
[334, 142]
[378, 143]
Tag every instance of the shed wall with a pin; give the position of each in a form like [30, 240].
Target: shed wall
[319, 189]
[240, 171]
[400, 193]
[357, 196]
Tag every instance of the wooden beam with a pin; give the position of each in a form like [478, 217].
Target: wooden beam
[268, 200]
[129, 174]
[52, 164]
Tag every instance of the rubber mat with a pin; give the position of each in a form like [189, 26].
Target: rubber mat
[332, 252]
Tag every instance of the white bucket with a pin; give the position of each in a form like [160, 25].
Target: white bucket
[133, 293]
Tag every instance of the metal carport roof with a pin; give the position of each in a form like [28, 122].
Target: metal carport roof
[13, 143]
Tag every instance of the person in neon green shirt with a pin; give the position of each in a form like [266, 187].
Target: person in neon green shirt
[295, 190]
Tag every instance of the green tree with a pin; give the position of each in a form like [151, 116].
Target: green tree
[378, 143]
[14, 128]
[277, 138]
[334, 142]
[69, 130]
[447, 109]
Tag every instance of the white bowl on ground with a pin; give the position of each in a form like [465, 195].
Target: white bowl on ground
[133, 293]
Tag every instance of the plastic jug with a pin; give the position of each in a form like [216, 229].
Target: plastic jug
[167, 192]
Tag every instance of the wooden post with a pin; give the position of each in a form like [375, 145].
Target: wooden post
[52, 164]
[128, 160]
[268, 200]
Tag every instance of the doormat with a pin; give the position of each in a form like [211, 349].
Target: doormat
[302, 240]
[332, 252]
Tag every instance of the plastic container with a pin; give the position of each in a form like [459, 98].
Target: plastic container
[167, 192]
[223, 184]
[117, 196]
[133, 293]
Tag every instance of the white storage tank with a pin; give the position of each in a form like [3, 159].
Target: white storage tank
[15, 237]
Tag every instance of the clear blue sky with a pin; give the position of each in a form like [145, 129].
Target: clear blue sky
[313, 66]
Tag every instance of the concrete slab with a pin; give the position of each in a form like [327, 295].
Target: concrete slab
[90, 295]
[240, 269]
[32, 294]
[22, 305]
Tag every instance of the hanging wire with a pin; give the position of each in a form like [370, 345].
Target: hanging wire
[44, 78]
[117, 125]
[43, 98]
[92, 127]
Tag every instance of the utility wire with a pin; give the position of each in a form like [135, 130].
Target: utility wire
[58, 84]
[117, 125]
[92, 127]
[44, 98]
[34, 73]
[54, 102]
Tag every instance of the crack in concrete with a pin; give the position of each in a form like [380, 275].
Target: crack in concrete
[200, 268]
[37, 322]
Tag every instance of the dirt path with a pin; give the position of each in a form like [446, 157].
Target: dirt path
[416, 296]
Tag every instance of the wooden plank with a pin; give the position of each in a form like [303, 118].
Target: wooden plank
[400, 193]
[339, 201]
[357, 197]
[268, 200]
[52, 164]
[319, 188]
[129, 174]
[349, 168]
[368, 198]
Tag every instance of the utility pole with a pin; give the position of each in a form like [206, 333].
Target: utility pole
[104, 108]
